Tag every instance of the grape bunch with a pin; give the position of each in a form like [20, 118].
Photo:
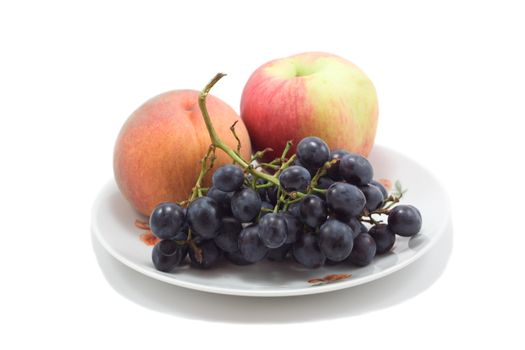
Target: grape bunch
[316, 207]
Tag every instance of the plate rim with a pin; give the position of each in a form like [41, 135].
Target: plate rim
[307, 290]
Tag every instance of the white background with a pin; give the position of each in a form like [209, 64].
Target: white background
[450, 79]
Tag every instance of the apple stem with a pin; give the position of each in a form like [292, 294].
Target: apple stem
[217, 142]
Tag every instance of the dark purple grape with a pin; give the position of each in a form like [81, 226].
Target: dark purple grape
[251, 247]
[405, 220]
[223, 199]
[329, 262]
[166, 220]
[355, 225]
[373, 195]
[295, 178]
[272, 230]
[333, 171]
[312, 152]
[381, 187]
[324, 182]
[246, 205]
[266, 205]
[311, 171]
[228, 178]
[271, 192]
[204, 217]
[167, 254]
[345, 200]
[236, 258]
[312, 210]
[182, 235]
[279, 254]
[228, 237]
[356, 169]
[262, 191]
[294, 209]
[336, 240]
[293, 227]
[364, 250]
[383, 237]
[211, 255]
[306, 250]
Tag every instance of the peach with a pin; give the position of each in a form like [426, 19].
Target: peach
[157, 153]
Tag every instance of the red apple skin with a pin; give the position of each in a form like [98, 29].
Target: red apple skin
[310, 94]
[157, 153]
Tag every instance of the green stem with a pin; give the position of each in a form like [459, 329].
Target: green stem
[217, 142]
[197, 189]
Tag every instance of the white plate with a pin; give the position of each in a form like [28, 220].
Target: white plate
[113, 225]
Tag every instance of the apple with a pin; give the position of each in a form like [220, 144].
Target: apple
[158, 150]
[310, 94]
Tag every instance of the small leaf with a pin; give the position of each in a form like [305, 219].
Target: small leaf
[398, 186]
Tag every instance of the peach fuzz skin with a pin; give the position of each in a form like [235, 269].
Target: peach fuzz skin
[310, 94]
[158, 151]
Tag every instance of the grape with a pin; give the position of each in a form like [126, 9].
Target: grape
[356, 169]
[373, 195]
[228, 178]
[306, 251]
[295, 178]
[364, 250]
[336, 240]
[355, 225]
[266, 205]
[182, 235]
[345, 200]
[405, 220]
[294, 209]
[246, 205]
[279, 254]
[329, 262]
[228, 236]
[271, 192]
[383, 237]
[311, 171]
[272, 230]
[312, 152]
[251, 247]
[293, 227]
[166, 220]
[262, 191]
[204, 217]
[333, 171]
[210, 255]
[324, 183]
[236, 258]
[167, 254]
[381, 188]
[312, 210]
[222, 198]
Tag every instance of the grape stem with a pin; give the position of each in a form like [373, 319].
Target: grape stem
[197, 189]
[218, 143]
[384, 210]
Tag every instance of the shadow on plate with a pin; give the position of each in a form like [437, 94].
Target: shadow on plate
[383, 293]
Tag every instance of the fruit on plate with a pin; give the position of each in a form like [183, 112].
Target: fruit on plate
[308, 94]
[157, 153]
[278, 211]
